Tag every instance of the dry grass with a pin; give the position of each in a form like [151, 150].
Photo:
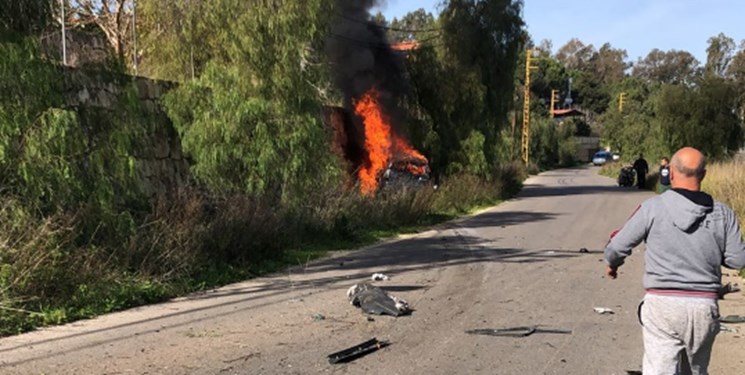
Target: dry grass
[192, 241]
[726, 182]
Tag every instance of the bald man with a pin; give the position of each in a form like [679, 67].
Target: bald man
[689, 237]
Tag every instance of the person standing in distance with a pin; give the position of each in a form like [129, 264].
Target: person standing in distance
[689, 237]
[664, 175]
[641, 167]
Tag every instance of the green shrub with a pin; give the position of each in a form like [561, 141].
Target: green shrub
[267, 192]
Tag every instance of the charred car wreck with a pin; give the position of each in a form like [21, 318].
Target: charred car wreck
[405, 172]
[401, 167]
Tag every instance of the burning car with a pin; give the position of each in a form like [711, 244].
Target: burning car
[374, 151]
[406, 171]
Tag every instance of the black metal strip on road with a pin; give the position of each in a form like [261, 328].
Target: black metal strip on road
[516, 331]
[357, 351]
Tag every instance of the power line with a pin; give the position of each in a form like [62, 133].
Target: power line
[370, 23]
[377, 44]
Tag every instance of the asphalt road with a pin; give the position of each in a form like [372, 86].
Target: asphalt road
[516, 264]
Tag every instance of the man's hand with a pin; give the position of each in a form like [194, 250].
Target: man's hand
[612, 272]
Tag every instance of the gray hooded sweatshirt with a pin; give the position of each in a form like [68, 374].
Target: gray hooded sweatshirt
[687, 242]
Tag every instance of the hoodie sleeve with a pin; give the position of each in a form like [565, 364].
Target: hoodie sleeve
[734, 247]
[631, 235]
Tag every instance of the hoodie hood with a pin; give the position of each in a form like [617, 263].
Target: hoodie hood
[687, 208]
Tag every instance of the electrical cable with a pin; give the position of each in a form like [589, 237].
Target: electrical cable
[370, 23]
[375, 44]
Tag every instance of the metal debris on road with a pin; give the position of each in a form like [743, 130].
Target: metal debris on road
[732, 319]
[380, 277]
[516, 331]
[724, 328]
[727, 289]
[318, 316]
[357, 351]
[374, 300]
[603, 310]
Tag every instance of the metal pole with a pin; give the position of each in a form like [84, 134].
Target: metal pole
[64, 43]
[134, 33]
[526, 106]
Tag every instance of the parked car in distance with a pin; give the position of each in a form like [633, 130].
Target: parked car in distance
[601, 157]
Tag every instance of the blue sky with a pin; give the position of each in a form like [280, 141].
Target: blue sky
[637, 26]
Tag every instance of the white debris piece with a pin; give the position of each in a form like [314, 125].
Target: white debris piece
[401, 304]
[379, 277]
[354, 289]
[724, 328]
[603, 310]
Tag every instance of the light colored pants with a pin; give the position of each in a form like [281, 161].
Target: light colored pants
[678, 334]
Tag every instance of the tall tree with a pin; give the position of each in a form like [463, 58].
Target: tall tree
[575, 54]
[673, 67]
[609, 64]
[251, 121]
[418, 25]
[113, 17]
[719, 54]
[177, 38]
[25, 16]
[546, 46]
[485, 38]
[736, 72]
[702, 116]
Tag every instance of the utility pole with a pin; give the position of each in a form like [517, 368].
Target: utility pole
[526, 106]
[621, 101]
[64, 42]
[554, 100]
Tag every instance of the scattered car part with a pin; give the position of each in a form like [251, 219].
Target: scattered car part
[724, 328]
[374, 300]
[357, 351]
[727, 289]
[515, 331]
[380, 277]
[732, 319]
[603, 310]
[319, 316]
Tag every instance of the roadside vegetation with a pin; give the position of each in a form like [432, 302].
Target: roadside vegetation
[725, 182]
[79, 238]
[266, 190]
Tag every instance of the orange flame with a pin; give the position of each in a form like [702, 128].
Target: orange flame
[381, 143]
[401, 147]
[377, 140]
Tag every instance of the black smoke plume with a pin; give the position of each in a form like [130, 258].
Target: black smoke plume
[362, 58]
